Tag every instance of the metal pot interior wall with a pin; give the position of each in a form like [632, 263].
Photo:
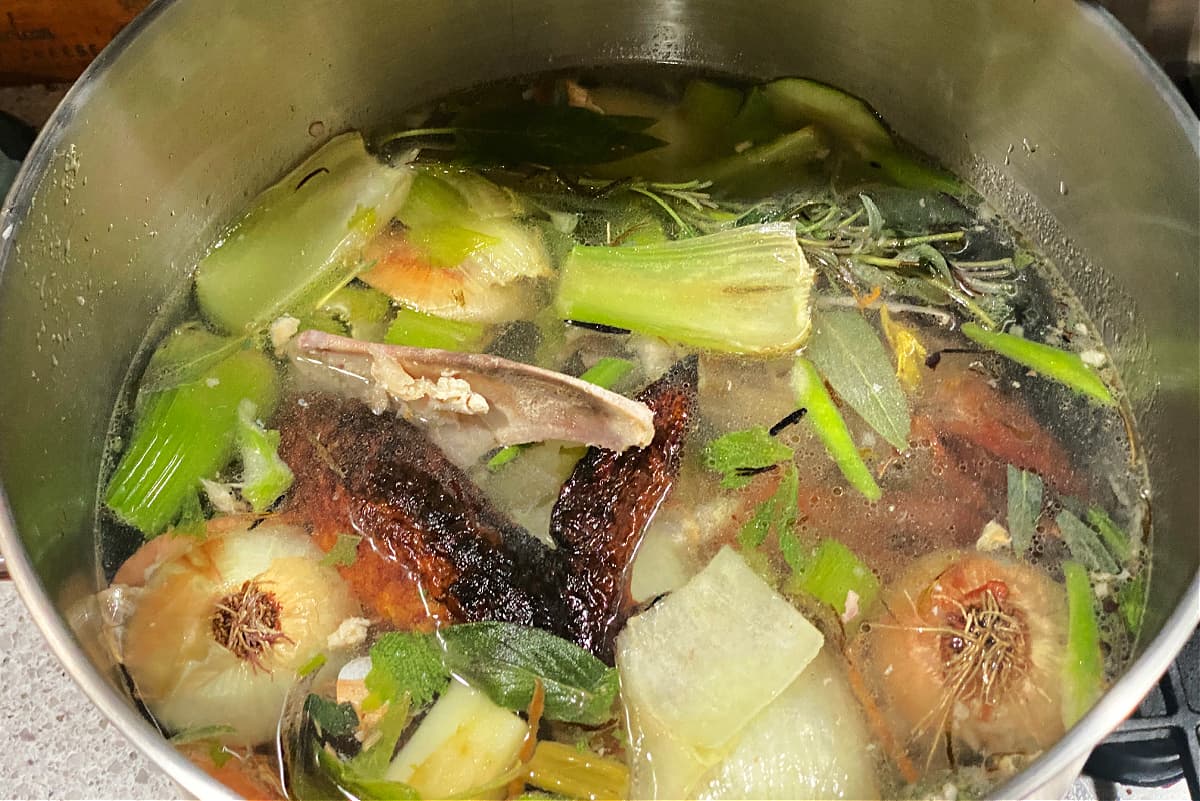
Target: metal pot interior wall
[200, 105]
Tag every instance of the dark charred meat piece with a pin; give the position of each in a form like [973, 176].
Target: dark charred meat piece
[605, 506]
[426, 526]
[434, 547]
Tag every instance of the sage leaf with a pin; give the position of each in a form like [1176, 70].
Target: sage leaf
[849, 355]
[1024, 506]
[344, 551]
[1085, 545]
[874, 217]
[506, 661]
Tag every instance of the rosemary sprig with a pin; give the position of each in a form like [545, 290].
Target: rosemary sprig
[836, 241]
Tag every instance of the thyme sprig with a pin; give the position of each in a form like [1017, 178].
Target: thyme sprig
[665, 195]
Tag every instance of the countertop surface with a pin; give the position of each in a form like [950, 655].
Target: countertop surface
[55, 743]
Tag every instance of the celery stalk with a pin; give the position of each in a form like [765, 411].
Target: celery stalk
[745, 290]
[419, 330]
[567, 771]
[186, 433]
[830, 427]
[1083, 666]
[1063, 366]
[301, 239]
[607, 372]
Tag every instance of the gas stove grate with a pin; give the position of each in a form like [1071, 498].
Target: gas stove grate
[1160, 743]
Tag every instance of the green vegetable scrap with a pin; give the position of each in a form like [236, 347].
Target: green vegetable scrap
[191, 522]
[506, 661]
[301, 239]
[505, 455]
[349, 780]
[361, 310]
[371, 764]
[265, 477]
[188, 431]
[744, 290]
[755, 530]
[363, 776]
[1062, 366]
[419, 330]
[1085, 544]
[796, 101]
[739, 455]
[767, 167]
[193, 352]
[833, 573]
[607, 372]
[344, 551]
[1083, 664]
[405, 664]
[1024, 507]
[831, 429]
[312, 666]
[850, 356]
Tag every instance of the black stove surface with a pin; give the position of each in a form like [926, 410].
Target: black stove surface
[1159, 745]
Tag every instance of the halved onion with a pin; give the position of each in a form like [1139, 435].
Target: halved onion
[968, 648]
[222, 627]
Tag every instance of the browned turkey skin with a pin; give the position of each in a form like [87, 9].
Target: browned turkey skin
[435, 549]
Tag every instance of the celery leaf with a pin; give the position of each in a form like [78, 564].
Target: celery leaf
[739, 454]
[404, 662]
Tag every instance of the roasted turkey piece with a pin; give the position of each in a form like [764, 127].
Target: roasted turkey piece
[435, 550]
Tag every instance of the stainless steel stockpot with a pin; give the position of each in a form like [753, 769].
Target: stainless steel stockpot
[1050, 107]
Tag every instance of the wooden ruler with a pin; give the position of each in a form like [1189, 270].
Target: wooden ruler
[52, 41]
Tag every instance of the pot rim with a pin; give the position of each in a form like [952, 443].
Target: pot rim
[1113, 707]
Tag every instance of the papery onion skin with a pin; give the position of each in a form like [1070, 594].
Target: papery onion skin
[185, 677]
[905, 648]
